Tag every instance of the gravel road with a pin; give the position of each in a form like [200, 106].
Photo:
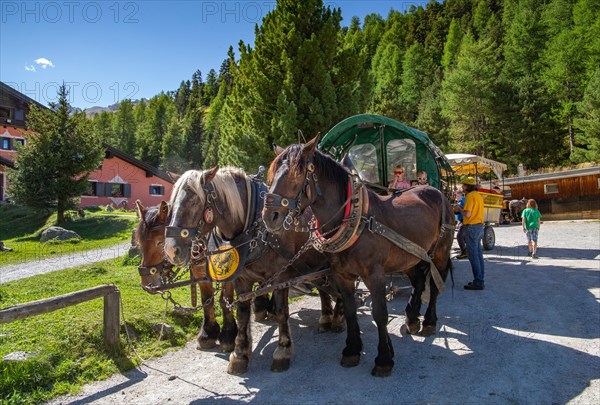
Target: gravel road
[532, 336]
[66, 261]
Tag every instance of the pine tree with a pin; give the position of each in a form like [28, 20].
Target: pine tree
[452, 45]
[124, 127]
[414, 81]
[588, 139]
[103, 127]
[468, 95]
[52, 169]
[172, 148]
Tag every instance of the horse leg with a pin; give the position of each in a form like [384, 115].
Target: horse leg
[326, 317]
[413, 308]
[207, 339]
[242, 353]
[285, 347]
[338, 324]
[351, 353]
[430, 321]
[261, 305]
[229, 329]
[384, 362]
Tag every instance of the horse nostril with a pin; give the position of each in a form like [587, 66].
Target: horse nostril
[176, 251]
[275, 216]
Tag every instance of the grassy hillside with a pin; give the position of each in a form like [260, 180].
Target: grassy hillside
[20, 229]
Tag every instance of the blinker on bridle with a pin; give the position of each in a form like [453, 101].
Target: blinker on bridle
[296, 206]
[198, 240]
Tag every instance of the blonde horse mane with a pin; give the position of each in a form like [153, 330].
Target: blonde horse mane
[225, 187]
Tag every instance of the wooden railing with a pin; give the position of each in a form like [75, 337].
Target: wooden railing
[112, 297]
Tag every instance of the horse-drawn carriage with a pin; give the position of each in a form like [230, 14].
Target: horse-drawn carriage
[493, 199]
[375, 145]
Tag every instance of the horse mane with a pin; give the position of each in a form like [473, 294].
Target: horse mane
[144, 227]
[225, 187]
[324, 164]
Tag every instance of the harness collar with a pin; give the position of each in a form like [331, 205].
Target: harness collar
[352, 226]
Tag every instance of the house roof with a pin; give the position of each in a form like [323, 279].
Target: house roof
[112, 151]
[553, 176]
[7, 162]
[6, 89]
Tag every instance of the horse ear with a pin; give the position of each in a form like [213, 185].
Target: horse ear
[311, 146]
[210, 174]
[173, 176]
[140, 208]
[163, 212]
[277, 149]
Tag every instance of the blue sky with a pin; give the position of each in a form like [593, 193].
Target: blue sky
[110, 50]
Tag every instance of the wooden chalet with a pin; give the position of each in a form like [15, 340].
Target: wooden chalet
[119, 181]
[570, 194]
[14, 107]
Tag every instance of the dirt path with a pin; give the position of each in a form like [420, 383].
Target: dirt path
[533, 336]
[65, 261]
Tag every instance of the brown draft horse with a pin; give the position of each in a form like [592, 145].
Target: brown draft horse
[203, 200]
[301, 176]
[150, 236]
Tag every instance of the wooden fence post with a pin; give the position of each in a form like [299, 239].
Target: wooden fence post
[112, 319]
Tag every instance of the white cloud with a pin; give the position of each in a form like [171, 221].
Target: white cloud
[44, 63]
[30, 68]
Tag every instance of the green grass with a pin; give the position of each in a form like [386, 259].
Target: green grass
[67, 344]
[20, 229]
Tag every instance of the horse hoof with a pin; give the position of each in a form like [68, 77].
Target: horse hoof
[325, 327]
[237, 365]
[413, 328]
[379, 371]
[338, 327]
[428, 330]
[206, 343]
[260, 316]
[350, 361]
[226, 347]
[280, 365]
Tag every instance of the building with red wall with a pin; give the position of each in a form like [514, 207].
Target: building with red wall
[123, 179]
[119, 181]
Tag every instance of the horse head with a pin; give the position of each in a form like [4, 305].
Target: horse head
[294, 186]
[150, 236]
[203, 201]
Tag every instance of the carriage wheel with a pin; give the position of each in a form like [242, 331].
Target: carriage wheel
[489, 238]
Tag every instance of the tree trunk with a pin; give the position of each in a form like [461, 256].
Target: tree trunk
[60, 215]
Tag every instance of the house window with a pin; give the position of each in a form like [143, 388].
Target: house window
[5, 112]
[18, 141]
[92, 189]
[117, 190]
[551, 188]
[157, 189]
[5, 143]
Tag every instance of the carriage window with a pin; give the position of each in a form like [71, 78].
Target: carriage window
[402, 152]
[364, 159]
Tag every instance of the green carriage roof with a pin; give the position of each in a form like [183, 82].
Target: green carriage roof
[352, 129]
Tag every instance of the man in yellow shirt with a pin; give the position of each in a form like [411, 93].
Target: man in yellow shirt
[473, 221]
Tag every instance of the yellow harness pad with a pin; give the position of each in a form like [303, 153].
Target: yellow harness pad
[223, 265]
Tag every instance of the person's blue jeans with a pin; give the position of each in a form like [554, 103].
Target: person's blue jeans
[475, 252]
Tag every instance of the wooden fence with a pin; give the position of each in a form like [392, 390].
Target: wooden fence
[112, 297]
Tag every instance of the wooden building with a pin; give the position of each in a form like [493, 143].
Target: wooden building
[119, 181]
[570, 194]
[14, 107]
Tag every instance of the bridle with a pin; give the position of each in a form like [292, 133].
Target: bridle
[307, 195]
[198, 238]
[164, 268]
